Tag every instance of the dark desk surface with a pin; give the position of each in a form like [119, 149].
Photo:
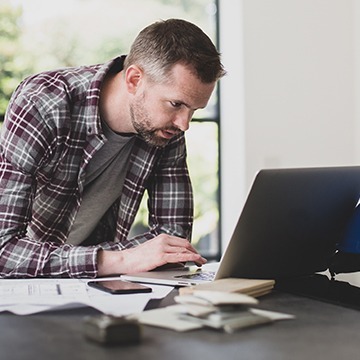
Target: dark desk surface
[320, 331]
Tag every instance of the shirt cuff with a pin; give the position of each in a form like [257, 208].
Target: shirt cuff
[82, 261]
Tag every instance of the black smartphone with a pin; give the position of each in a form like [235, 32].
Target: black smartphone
[119, 287]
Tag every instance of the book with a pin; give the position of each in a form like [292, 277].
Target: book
[251, 287]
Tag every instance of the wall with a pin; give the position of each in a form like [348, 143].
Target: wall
[291, 96]
[232, 109]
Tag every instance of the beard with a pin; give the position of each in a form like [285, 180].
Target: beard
[141, 122]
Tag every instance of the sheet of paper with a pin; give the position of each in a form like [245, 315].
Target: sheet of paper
[120, 305]
[275, 316]
[29, 309]
[167, 317]
[30, 296]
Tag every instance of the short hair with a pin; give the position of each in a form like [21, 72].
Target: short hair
[161, 45]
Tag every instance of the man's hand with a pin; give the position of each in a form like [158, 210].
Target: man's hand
[158, 251]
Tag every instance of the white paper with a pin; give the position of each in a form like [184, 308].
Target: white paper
[30, 296]
[41, 291]
[273, 315]
[168, 318]
[120, 305]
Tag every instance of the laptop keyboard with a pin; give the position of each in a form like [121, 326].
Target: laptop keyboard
[203, 275]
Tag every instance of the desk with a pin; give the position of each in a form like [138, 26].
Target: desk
[320, 331]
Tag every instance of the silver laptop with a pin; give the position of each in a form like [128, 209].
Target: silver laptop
[289, 227]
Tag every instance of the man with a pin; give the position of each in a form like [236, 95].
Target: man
[79, 147]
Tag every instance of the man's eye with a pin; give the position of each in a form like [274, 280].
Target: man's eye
[175, 104]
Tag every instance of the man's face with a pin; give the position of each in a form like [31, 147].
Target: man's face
[160, 111]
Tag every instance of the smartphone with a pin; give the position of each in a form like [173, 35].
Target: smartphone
[119, 287]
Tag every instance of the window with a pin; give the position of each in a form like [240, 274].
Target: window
[39, 35]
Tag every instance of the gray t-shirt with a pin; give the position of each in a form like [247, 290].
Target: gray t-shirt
[104, 181]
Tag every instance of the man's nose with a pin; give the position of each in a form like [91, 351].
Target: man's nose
[182, 120]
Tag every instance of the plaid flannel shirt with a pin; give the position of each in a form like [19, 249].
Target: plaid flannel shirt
[50, 133]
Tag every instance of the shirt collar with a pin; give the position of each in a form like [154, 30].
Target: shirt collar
[92, 114]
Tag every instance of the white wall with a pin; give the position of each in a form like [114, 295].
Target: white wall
[291, 96]
[232, 100]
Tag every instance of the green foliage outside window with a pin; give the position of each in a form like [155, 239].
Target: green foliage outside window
[12, 68]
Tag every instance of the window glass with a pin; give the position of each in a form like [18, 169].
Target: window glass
[203, 162]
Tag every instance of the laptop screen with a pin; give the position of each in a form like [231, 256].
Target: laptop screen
[291, 222]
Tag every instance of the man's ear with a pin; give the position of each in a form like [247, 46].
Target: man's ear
[133, 77]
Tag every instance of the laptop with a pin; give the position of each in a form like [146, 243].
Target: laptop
[289, 227]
